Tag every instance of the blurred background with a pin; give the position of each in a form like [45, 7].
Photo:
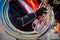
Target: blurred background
[53, 34]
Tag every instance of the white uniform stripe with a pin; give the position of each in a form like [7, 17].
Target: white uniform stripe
[26, 6]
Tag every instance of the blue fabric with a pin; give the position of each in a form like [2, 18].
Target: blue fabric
[1, 5]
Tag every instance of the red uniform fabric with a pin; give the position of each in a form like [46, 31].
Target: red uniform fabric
[33, 4]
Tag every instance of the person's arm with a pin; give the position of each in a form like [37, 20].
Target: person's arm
[16, 10]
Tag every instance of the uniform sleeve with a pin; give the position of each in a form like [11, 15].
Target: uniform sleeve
[18, 14]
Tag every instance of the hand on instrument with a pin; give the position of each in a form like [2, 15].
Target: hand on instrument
[40, 11]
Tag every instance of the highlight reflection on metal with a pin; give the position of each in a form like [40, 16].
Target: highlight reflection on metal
[10, 29]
